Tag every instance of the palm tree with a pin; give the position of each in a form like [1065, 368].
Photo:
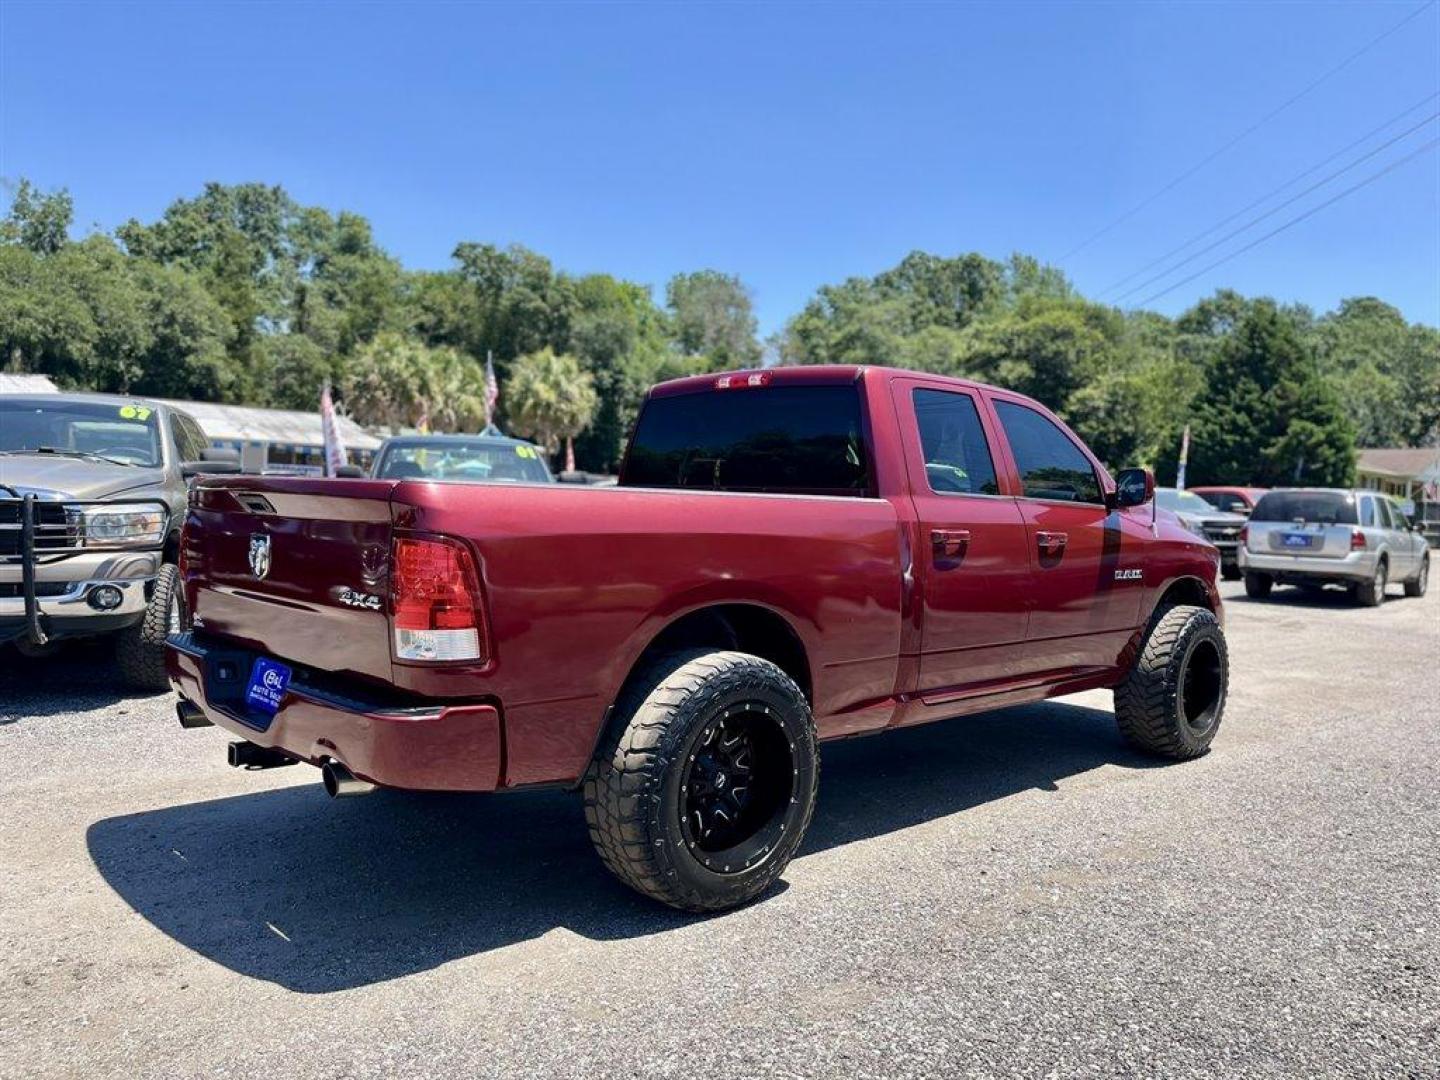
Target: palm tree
[549, 397]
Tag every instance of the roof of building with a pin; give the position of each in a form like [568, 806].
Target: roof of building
[14, 383]
[246, 423]
[1402, 463]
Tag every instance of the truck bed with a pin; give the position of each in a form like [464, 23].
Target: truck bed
[576, 581]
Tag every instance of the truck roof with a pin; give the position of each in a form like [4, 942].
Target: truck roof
[798, 375]
[87, 399]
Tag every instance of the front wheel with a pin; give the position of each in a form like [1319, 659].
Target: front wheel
[701, 799]
[140, 649]
[1421, 581]
[1230, 572]
[1172, 701]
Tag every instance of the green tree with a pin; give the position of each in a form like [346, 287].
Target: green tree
[551, 398]
[1267, 417]
[713, 319]
[1044, 348]
[618, 336]
[399, 381]
[1386, 371]
[36, 221]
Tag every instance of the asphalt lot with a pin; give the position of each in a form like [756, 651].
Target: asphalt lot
[1015, 894]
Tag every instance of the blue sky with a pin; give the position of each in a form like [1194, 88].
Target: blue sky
[793, 145]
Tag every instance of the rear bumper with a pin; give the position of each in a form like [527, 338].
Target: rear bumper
[432, 748]
[1357, 566]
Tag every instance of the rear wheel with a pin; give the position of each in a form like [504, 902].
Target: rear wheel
[1258, 586]
[140, 649]
[1372, 593]
[701, 799]
[1172, 701]
[1421, 581]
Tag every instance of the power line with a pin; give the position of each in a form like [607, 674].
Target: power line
[1293, 221]
[1267, 196]
[1275, 209]
[1128, 214]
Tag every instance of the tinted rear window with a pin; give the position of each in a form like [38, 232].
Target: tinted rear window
[798, 439]
[1327, 507]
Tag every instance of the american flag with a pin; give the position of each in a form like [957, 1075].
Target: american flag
[334, 447]
[492, 388]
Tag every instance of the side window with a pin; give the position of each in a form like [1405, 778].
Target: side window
[1387, 514]
[1367, 511]
[1051, 466]
[957, 457]
[189, 440]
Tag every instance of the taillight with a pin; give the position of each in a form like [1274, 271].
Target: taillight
[741, 382]
[1244, 535]
[1357, 540]
[435, 597]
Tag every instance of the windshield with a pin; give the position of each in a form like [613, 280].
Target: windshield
[1183, 501]
[800, 439]
[478, 462]
[1325, 507]
[124, 432]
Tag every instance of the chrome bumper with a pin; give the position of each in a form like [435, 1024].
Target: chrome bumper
[74, 602]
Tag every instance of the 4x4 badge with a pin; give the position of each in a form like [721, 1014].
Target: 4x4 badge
[1129, 575]
[260, 554]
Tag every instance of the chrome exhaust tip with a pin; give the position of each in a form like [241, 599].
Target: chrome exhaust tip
[190, 714]
[340, 781]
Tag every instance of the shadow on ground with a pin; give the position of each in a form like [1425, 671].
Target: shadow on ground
[285, 886]
[1296, 596]
[84, 670]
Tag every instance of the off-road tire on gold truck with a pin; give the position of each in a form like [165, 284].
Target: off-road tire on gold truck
[140, 649]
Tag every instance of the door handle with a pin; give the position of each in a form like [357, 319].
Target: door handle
[1051, 543]
[949, 542]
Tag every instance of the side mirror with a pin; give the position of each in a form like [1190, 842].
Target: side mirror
[350, 472]
[1133, 487]
[191, 469]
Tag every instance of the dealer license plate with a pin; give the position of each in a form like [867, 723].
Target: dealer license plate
[1297, 540]
[268, 682]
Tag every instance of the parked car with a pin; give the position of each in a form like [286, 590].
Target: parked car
[1203, 519]
[483, 459]
[1318, 537]
[1233, 500]
[790, 556]
[92, 494]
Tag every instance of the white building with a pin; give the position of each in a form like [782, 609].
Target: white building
[277, 440]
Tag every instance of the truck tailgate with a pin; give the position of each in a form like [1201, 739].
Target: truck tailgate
[295, 569]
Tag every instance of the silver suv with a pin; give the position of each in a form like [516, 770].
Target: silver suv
[1322, 536]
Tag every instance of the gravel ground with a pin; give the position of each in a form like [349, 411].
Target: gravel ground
[1015, 894]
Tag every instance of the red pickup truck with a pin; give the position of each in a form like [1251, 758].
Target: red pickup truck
[791, 555]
